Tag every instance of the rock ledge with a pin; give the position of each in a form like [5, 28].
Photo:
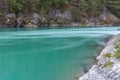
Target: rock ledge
[98, 71]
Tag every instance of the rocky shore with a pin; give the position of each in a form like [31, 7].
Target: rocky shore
[108, 65]
[57, 18]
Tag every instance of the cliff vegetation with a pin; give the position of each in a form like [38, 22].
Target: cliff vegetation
[35, 13]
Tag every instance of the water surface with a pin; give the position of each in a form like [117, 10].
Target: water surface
[49, 54]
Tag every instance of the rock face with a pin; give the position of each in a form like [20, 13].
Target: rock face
[30, 25]
[35, 18]
[57, 17]
[10, 16]
[56, 14]
[98, 71]
[107, 15]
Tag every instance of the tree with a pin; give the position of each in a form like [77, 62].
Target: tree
[15, 7]
[113, 6]
[94, 8]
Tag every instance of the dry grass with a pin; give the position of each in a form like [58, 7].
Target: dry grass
[108, 64]
[107, 55]
[116, 55]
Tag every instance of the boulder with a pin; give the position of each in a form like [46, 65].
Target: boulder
[19, 21]
[10, 16]
[30, 25]
[56, 14]
[106, 15]
[35, 18]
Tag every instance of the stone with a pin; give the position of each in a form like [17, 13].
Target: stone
[10, 16]
[35, 18]
[56, 14]
[30, 25]
[98, 71]
[107, 15]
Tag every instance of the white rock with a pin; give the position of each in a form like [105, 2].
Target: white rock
[99, 73]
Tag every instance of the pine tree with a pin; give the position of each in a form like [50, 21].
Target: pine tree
[15, 6]
[113, 6]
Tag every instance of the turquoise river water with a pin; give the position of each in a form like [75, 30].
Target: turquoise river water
[49, 54]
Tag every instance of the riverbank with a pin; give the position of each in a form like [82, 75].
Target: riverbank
[58, 18]
[107, 67]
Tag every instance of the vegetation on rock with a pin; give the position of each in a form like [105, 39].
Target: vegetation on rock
[113, 6]
[80, 10]
[108, 64]
[116, 55]
[117, 47]
[107, 55]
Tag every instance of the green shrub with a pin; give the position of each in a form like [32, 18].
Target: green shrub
[116, 55]
[107, 55]
[1, 13]
[43, 11]
[15, 6]
[117, 47]
[51, 22]
[76, 15]
[62, 21]
[118, 29]
[118, 50]
[108, 64]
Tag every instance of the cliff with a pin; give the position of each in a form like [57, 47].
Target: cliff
[19, 13]
[108, 65]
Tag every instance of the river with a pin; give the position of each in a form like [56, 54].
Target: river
[49, 54]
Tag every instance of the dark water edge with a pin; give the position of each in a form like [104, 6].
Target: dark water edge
[50, 27]
[9, 28]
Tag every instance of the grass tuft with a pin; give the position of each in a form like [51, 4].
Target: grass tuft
[107, 55]
[116, 55]
[108, 64]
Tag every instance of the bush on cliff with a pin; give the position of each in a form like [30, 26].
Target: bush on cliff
[107, 55]
[117, 47]
[108, 64]
[116, 55]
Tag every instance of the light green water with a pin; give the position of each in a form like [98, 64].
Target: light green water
[49, 54]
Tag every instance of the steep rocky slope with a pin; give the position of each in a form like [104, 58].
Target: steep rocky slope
[108, 66]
